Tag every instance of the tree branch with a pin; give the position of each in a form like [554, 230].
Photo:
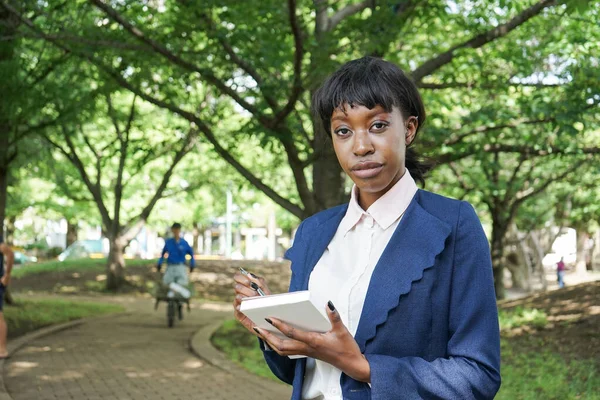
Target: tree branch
[513, 176]
[83, 40]
[123, 151]
[322, 19]
[129, 123]
[347, 11]
[44, 74]
[74, 158]
[521, 197]
[237, 60]
[204, 128]
[113, 117]
[160, 49]
[528, 151]
[461, 180]
[187, 145]
[472, 85]
[488, 128]
[298, 56]
[297, 167]
[433, 64]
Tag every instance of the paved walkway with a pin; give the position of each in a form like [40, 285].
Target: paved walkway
[129, 357]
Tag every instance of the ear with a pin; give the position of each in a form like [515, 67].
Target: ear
[412, 124]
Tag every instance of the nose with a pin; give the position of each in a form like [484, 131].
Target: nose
[362, 145]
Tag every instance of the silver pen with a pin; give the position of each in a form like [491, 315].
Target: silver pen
[258, 289]
[252, 284]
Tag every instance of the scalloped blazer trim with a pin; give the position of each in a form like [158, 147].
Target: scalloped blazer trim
[419, 238]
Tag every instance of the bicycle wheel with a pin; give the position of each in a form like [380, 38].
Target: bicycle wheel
[171, 313]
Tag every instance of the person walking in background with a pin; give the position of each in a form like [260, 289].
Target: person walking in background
[560, 273]
[5, 251]
[176, 248]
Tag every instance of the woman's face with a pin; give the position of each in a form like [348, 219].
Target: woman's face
[370, 145]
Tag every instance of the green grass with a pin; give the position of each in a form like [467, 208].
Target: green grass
[29, 315]
[546, 375]
[519, 316]
[98, 264]
[241, 347]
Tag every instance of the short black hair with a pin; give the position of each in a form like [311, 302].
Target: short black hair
[371, 82]
[176, 225]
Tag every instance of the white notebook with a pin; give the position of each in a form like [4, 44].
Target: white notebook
[297, 309]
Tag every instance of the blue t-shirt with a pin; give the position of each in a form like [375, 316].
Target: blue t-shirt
[177, 251]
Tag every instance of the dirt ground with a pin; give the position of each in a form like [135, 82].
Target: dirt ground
[573, 328]
[213, 279]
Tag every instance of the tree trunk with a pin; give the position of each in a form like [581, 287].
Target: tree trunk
[3, 196]
[519, 268]
[589, 261]
[538, 257]
[328, 177]
[195, 237]
[582, 238]
[517, 260]
[72, 232]
[498, 235]
[115, 269]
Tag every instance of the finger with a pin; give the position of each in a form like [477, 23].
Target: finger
[284, 347]
[258, 279]
[237, 301]
[244, 320]
[244, 291]
[334, 317]
[290, 331]
[242, 279]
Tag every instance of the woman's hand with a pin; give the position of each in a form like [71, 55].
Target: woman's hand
[336, 347]
[243, 288]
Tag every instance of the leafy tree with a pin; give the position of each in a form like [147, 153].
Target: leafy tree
[124, 164]
[28, 87]
[498, 77]
[212, 47]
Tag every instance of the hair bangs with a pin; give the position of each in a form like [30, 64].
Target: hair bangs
[354, 85]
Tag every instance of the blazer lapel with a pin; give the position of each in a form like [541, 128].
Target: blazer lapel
[318, 241]
[415, 244]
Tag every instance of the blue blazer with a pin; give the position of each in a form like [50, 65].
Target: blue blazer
[429, 325]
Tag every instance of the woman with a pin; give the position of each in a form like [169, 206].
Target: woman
[405, 275]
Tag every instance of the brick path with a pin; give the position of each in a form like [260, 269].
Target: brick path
[128, 357]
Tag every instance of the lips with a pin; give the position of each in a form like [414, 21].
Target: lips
[367, 169]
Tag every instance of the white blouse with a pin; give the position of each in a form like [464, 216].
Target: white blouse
[343, 272]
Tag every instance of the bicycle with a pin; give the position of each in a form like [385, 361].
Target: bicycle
[175, 301]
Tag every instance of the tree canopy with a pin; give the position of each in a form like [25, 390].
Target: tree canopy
[510, 87]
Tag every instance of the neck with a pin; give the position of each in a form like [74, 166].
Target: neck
[366, 199]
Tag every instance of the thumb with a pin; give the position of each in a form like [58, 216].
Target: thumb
[334, 317]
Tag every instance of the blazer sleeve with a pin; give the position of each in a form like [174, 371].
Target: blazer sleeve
[471, 369]
[282, 366]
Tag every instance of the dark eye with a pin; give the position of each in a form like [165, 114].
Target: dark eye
[342, 131]
[379, 126]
